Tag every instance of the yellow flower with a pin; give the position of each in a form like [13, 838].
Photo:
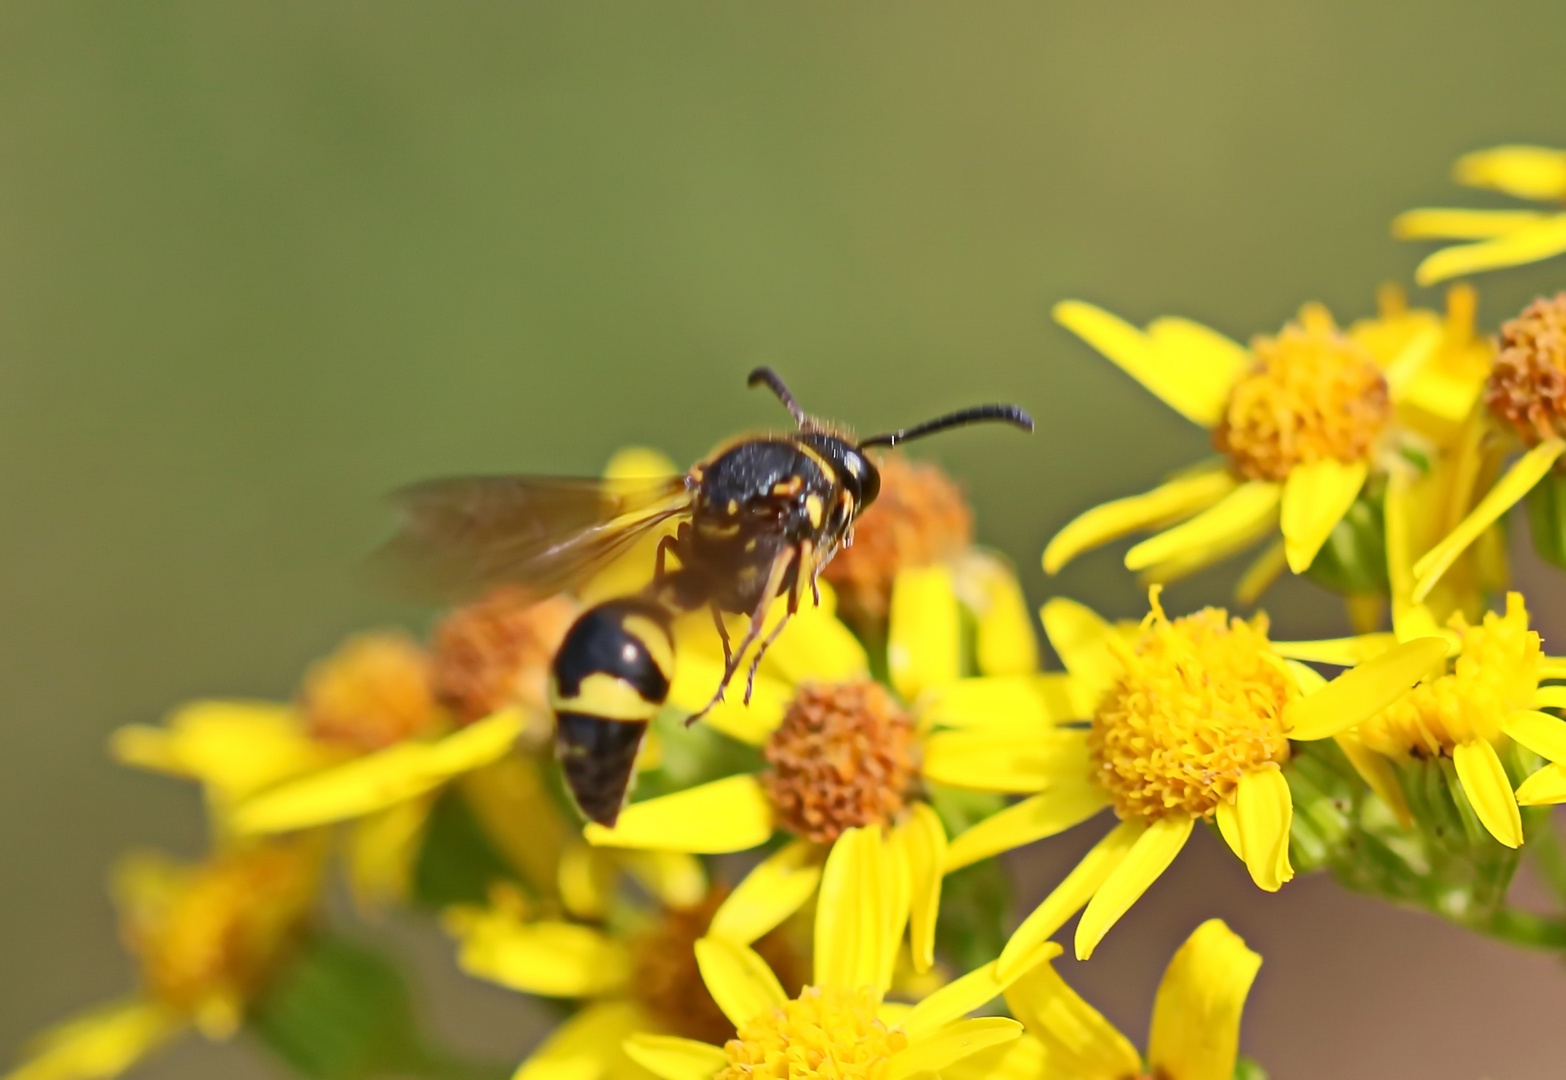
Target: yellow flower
[1300, 420]
[366, 743]
[1501, 237]
[1523, 395]
[1191, 719]
[637, 974]
[1195, 1030]
[841, 751]
[840, 1025]
[208, 937]
[1490, 696]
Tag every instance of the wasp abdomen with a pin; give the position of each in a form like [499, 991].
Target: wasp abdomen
[611, 677]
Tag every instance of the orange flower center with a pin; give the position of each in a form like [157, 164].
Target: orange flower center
[1312, 394]
[843, 757]
[1198, 704]
[371, 693]
[1527, 387]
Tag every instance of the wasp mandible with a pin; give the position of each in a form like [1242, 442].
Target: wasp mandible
[758, 518]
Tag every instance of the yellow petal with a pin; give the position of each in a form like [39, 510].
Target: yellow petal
[725, 815]
[1262, 573]
[640, 463]
[1196, 1017]
[1078, 1041]
[1076, 890]
[924, 631]
[1149, 857]
[1520, 479]
[962, 996]
[670, 1057]
[236, 747]
[1550, 697]
[585, 1046]
[952, 1043]
[1528, 172]
[1229, 828]
[586, 881]
[697, 675]
[1439, 223]
[1361, 692]
[738, 979]
[1315, 497]
[1021, 1059]
[854, 912]
[1340, 652]
[1547, 787]
[1378, 774]
[99, 1044]
[1489, 792]
[1010, 701]
[980, 759]
[554, 959]
[1189, 367]
[1540, 732]
[379, 780]
[815, 646]
[1263, 811]
[381, 851]
[779, 885]
[1174, 500]
[1053, 811]
[922, 841]
[1081, 637]
[511, 801]
[1522, 245]
[1004, 639]
[675, 878]
[1245, 510]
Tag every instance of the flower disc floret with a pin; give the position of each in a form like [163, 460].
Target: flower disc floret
[1527, 387]
[1198, 704]
[373, 692]
[495, 653]
[1494, 676]
[843, 757]
[825, 1032]
[1312, 394]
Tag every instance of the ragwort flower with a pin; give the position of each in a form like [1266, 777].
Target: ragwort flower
[367, 742]
[1300, 419]
[208, 937]
[1499, 238]
[840, 1025]
[1189, 719]
[839, 751]
[1195, 1030]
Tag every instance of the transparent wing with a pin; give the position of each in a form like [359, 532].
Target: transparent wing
[462, 535]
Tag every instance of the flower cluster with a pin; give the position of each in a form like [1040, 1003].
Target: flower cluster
[807, 882]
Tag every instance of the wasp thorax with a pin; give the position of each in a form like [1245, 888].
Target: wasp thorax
[1527, 387]
[826, 1032]
[843, 757]
[373, 692]
[1198, 703]
[1312, 394]
[495, 653]
[667, 981]
[920, 518]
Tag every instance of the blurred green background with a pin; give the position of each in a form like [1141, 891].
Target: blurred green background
[260, 262]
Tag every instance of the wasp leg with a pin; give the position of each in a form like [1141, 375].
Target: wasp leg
[805, 550]
[758, 617]
[723, 635]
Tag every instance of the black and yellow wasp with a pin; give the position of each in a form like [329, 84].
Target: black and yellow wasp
[758, 518]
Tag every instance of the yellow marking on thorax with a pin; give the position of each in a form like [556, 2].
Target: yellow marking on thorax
[786, 488]
[816, 511]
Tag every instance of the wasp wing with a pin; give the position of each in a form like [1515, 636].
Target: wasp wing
[464, 534]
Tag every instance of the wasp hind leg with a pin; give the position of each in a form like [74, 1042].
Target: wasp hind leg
[758, 618]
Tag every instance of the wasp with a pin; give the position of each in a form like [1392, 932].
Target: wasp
[758, 518]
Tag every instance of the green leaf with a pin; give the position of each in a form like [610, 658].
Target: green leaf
[341, 1011]
[1353, 561]
[1547, 518]
[1246, 1069]
[456, 863]
[975, 902]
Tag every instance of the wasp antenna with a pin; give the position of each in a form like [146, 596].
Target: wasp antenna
[765, 376]
[979, 414]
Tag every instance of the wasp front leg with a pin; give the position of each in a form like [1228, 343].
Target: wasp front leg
[758, 618]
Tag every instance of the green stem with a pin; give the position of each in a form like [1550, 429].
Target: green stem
[1549, 858]
[1525, 929]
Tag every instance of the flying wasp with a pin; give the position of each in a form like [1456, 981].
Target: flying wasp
[760, 517]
